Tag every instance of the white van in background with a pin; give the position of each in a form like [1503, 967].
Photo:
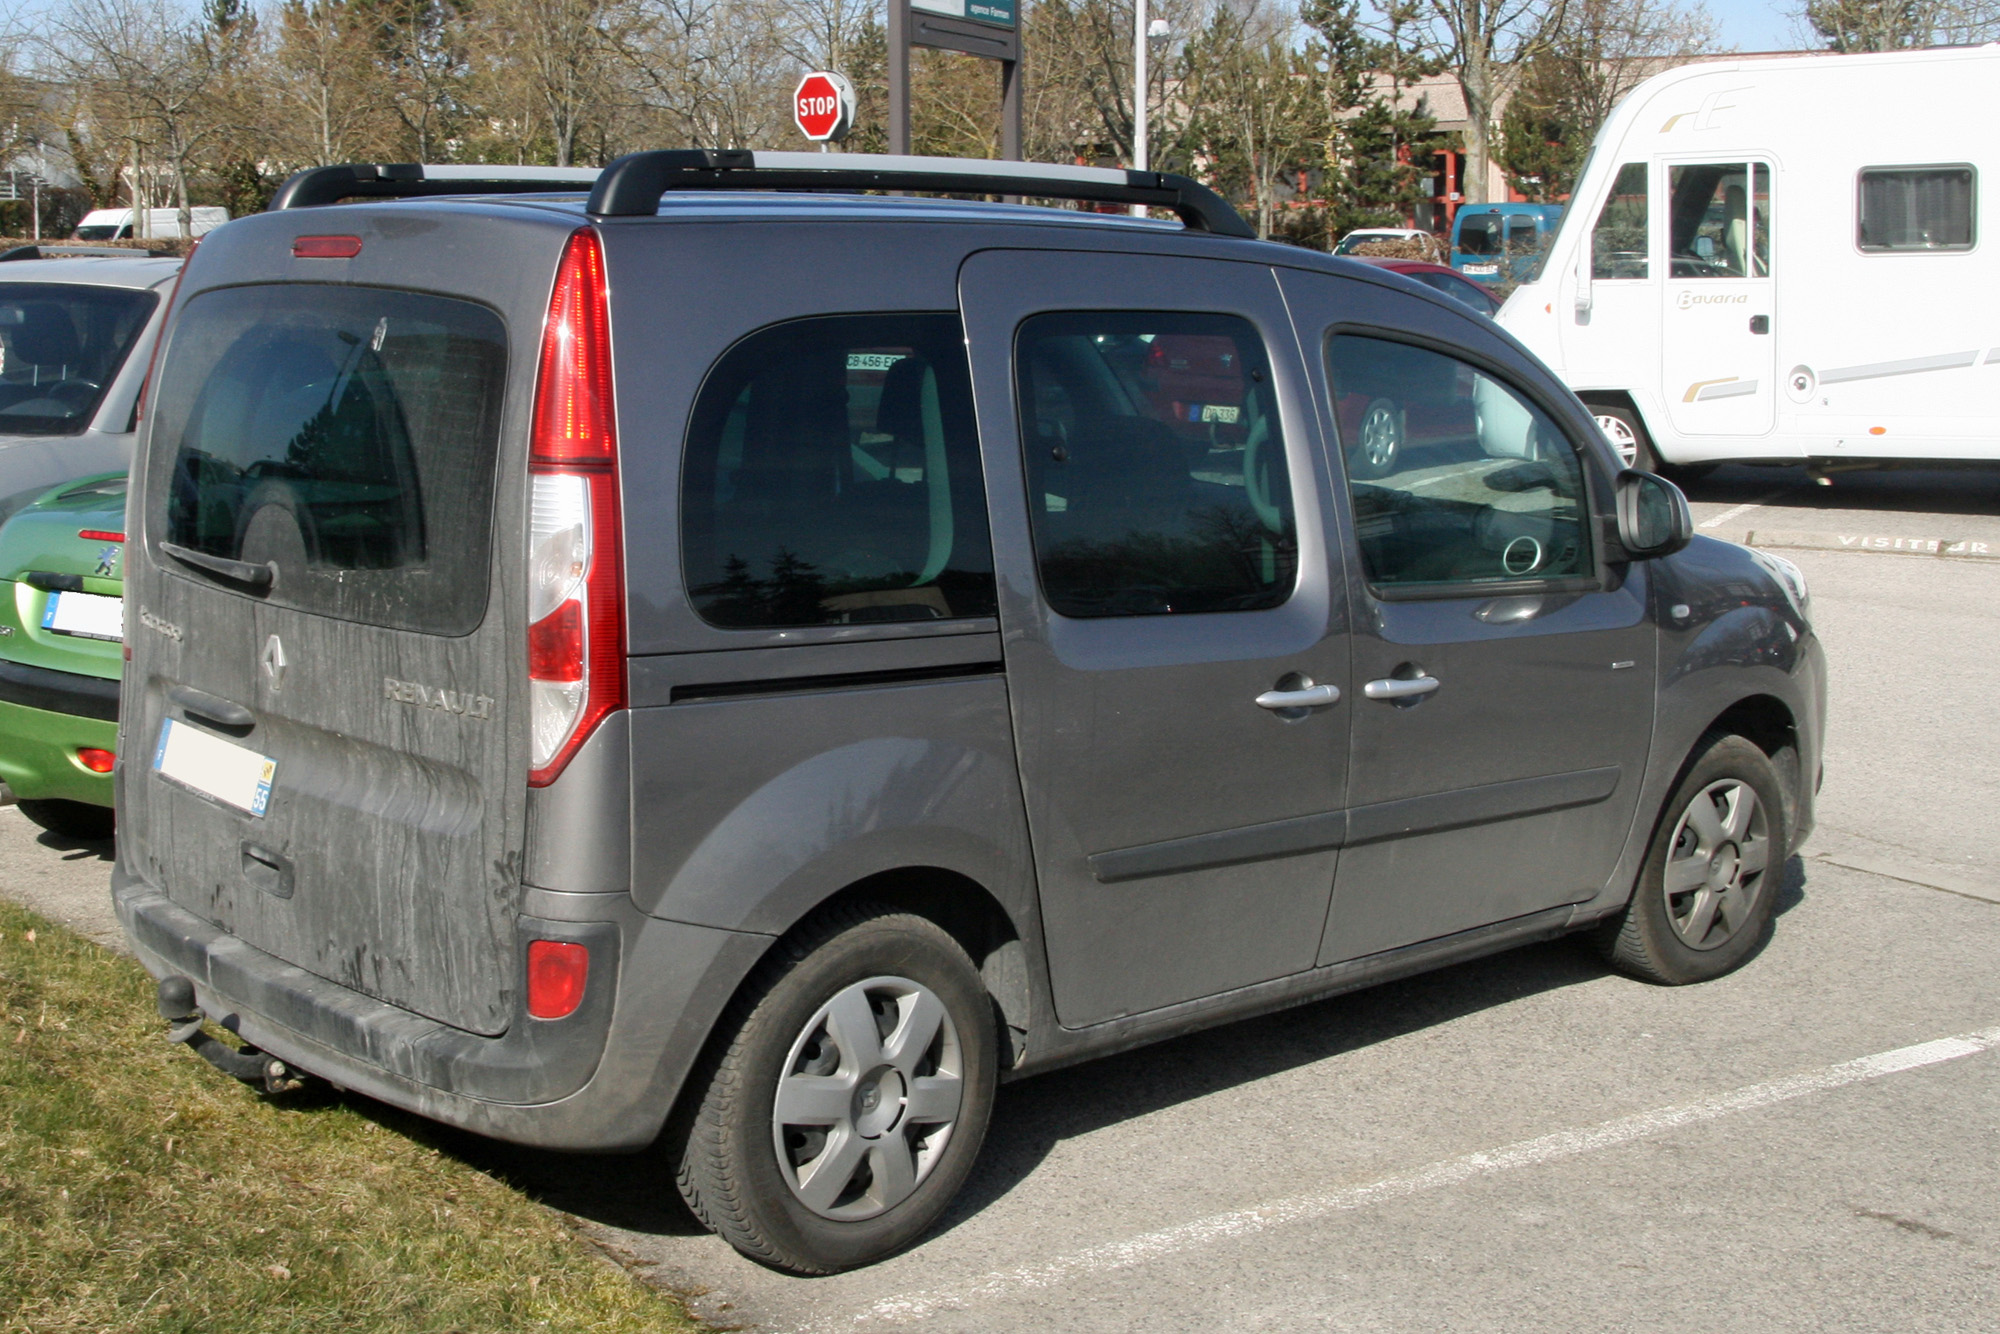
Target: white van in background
[1781, 261]
[115, 224]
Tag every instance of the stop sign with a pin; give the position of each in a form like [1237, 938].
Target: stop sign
[824, 106]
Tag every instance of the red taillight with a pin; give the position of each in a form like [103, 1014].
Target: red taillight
[573, 419]
[555, 644]
[96, 760]
[99, 535]
[557, 972]
[326, 247]
[576, 587]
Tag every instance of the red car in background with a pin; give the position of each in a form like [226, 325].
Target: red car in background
[1442, 279]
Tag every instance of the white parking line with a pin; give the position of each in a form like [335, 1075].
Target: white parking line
[1201, 1232]
[1745, 508]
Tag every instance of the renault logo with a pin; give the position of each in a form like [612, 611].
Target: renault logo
[274, 662]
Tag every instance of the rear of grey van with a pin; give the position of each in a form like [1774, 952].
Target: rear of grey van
[373, 701]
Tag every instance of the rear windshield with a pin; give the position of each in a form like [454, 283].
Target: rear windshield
[345, 435]
[61, 345]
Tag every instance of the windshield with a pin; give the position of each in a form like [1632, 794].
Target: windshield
[60, 347]
[99, 231]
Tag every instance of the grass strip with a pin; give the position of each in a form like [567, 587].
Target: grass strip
[140, 1190]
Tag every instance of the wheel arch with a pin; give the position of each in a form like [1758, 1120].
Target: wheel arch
[1768, 723]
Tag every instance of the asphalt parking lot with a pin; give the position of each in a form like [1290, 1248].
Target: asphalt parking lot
[1528, 1141]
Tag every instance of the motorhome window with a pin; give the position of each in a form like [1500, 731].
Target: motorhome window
[61, 345]
[1916, 208]
[1456, 480]
[1719, 220]
[1619, 240]
[1155, 464]
[344, 435]
[832, 478]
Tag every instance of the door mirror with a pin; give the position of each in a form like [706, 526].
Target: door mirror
[1653, 516]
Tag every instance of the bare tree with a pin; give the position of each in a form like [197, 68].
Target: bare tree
[1485, 43]
[1889, 25]
[146, 74]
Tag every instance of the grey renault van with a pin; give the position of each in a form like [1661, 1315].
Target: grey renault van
[703, 653]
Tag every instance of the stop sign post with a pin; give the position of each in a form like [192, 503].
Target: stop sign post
[823, 106]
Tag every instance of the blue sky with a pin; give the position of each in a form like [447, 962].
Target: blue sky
[1758, 25]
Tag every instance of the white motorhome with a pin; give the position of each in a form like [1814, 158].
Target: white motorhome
[115, 224]
[1781, 261]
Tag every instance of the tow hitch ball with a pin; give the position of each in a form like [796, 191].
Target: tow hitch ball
[251, 1066]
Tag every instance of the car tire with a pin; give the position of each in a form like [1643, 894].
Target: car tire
[1378, 441]
[1627, 434]
[1708, 892]
[72, 819]
[866, 1006]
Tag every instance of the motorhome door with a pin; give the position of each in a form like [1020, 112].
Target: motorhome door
[1718, 370]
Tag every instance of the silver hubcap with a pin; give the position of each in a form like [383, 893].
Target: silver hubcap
[1716, 864]
[1619, 433]
[871, 1091]
[1380, 435]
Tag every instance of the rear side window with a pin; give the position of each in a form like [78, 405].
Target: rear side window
[832, 477]
[61, 345]
[345, 435]
[1916, 208]
[1155, 464]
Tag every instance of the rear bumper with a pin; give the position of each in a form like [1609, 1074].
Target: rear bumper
[602, 1079]
[38, 752]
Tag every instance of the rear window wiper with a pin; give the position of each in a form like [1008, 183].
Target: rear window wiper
[244, 572]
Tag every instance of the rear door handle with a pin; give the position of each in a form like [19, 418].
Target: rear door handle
[1390, 687]
[212, 708]
[1760, 324]
[1311, 697]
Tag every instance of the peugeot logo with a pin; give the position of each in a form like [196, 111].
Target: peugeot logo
[274, 662]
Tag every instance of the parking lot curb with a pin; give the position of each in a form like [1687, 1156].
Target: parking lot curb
[1949, 548]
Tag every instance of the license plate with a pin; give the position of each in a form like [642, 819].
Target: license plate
[232, 774]
[85, 615]
[1482, 268]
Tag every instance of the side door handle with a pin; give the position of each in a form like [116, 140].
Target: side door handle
[1309, 697]
[1390, 687]
[1760, 324]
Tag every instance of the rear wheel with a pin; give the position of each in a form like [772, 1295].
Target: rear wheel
[1706, 897]
[71, 819]
[847, 1109]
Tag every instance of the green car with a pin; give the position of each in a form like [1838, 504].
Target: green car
[61, 654]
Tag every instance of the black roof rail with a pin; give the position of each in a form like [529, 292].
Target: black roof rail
[632, 185]
[408, 180]
[41, 251]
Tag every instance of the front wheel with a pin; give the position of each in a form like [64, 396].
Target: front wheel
[1709, 889]
[1379, 440]
[1627, 434]
[847, 1109]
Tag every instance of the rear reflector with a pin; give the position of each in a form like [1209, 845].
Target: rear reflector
[99, 535]
[557, 972]
[96, 760]
[326, 247]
